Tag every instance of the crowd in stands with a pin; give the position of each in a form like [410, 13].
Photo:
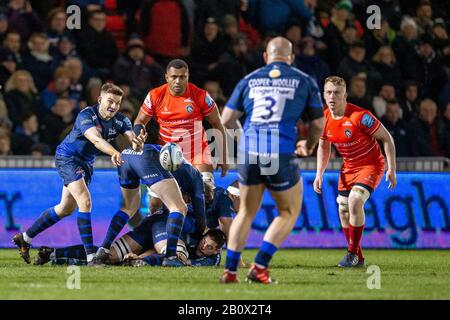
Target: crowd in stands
[48, 72]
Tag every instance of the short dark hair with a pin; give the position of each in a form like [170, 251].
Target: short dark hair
[26, 116]
[217, 236]
[112, 88]
[177, 64]
[94, 12]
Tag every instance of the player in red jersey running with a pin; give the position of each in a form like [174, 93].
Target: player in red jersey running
[354, 132]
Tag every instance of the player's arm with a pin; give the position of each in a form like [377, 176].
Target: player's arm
[215, 121]
[230, 118]
[198, 206]
[104, 146]
[137, 140]
[389, 148]
[323, 156]
[144, 115]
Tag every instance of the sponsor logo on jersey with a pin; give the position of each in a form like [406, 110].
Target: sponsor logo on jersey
[188, 100]
[347, 124]
[166, 110]
[348, 133]
[367, 121]
[275, 73]
[112, 132]
[86, 121]
[189, 109]
[209, 101]
[118, 122]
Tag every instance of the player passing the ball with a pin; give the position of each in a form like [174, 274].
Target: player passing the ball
[94, 128]
[354, 132]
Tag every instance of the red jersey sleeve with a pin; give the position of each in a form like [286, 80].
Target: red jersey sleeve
[326, 114]
[368, 122]
[147, 106]
[206, 103]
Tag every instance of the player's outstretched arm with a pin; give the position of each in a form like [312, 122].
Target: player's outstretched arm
[389, 148]
[323, 156]
[137, 140]
[104, 146]
[141, 119]
[215, 121]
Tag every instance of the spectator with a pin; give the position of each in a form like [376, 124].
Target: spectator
[21, 96]
[268, 15]
[92, 91]
[355, 63]
[439, 35]
[165, 43]
[65, 48]
[39, 62]
[426, 68]
[10, 56]
[410, 104]
[397, 127]
[96, 45]
[384, 36]
[56, 26]
[424, 17]
[4, 119]
[230, 29]
[40, 150]
[75, 67]
[358, 93]
[234, 64]
[26, 134]
[215, 91]
[23, 19]
[293, 32]
[309, 62]
[405, 43]
[206, 51]
[385, 63]
[258, 54]
[428, 132]
[216, 9]
[57, 121]
[59, 87]
[5, 142]
[140, 71]
[385, 95]
[129, 100]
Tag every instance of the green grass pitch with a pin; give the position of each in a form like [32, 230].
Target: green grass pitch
[302, 274]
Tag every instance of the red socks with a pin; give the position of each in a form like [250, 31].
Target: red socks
[356, 240]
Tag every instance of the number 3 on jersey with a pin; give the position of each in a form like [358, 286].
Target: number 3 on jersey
[269, 103]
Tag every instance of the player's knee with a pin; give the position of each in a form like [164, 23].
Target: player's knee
[358, 197]
[63, 211]
[342, 204]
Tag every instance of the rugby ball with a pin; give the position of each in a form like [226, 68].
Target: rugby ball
[171, 156]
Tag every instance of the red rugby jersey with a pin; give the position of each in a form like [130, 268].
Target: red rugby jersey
[352, 136]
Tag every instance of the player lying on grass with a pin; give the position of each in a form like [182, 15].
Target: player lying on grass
[146, 244]
[93, 130]
[145, 166]
[354, 132]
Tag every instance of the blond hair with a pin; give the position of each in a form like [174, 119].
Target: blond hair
[112, 89]
[11, 83]
[337, 81]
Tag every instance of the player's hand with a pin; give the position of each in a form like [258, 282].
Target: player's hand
[130, 256]
[116, 158]
[318, 184]
[224, 167]
[391, 176]
[302, 150]
[139, 141]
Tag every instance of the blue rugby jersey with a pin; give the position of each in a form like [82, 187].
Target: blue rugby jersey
[77, 145]
[273, 99]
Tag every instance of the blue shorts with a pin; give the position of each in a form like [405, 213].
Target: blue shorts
[257, 170]
[72, 169]
[153, 229]
[143, 166]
